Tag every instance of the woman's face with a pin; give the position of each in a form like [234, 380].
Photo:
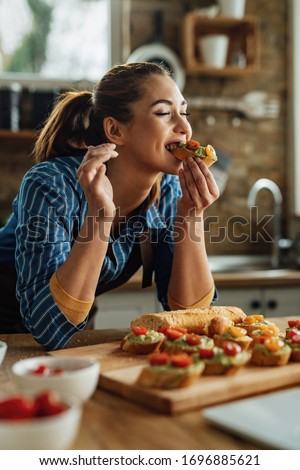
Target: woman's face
[160, 118]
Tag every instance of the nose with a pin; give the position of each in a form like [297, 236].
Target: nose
[182, 126]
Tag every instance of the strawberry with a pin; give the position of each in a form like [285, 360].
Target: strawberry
[18, 407]
[41, 370]
[48, 404]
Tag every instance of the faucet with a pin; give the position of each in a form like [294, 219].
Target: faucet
[265, 183]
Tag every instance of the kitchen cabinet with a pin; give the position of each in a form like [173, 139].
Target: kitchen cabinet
[117, 308]
[270, 302]
[243, 40]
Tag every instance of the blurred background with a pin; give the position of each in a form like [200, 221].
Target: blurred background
[246, 106]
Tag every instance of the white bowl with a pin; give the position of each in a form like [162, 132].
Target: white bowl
[55, 432]
[3, 349]
[79, 378]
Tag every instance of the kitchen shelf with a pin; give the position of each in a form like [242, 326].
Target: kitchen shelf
[243, 37]
[22, 134]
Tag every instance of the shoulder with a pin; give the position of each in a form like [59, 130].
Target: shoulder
[60, 166]
[54, 174]
[53, 182]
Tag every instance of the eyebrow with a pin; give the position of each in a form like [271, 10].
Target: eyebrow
[170, 103]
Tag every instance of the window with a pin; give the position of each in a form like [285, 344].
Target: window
[57, 40]
[294, 108]
[48, 46]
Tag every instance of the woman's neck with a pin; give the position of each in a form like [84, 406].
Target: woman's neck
[131, 187]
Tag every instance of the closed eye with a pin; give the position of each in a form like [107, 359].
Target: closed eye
[166, 114]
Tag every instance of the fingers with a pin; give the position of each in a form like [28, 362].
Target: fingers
[101, 152]
[197, 183]
[96, 157]
[210, 181]
[201, 176]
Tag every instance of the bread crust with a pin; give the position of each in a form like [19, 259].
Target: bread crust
[169, 379]
[218, 325]
[182, 154]
[244, 344]
[295, 355]
[195, 320]
[220, 369]
[139, 348]
[261, 358]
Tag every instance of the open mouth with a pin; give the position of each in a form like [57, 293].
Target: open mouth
[172, 146]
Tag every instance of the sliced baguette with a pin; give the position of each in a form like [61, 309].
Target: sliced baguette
[244, 341]
[195, 320]
[295, 356]
[220, 369]
[171, 378]
[140, 348]
[262, 358]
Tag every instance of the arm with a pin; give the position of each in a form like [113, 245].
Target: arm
[191, 279]
[79, 274]
[51, 236]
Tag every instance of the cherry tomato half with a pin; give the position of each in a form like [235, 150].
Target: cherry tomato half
[231, 348]
[296, 339]
[206, 353]
[173, 334]
[181, 360]
[157, 359]
[192, 339]
[192, 144]
[139, 330]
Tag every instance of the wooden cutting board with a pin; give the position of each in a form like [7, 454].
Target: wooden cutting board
[119, 371]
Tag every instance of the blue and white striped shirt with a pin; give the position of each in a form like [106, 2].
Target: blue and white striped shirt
[48, 213]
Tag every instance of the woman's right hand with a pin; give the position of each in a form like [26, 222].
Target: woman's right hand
[95, 184]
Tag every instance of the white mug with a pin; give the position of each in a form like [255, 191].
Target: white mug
[235, 8]
[213, 49]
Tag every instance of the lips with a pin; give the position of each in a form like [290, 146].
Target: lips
[172, 146]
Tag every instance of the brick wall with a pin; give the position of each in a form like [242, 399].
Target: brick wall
[257, 148]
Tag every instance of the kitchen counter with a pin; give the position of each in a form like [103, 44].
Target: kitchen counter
[251, 278]
[110, 422]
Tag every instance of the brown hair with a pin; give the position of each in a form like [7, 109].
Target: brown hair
[76, 119]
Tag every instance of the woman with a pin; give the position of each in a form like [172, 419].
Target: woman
[106, 196]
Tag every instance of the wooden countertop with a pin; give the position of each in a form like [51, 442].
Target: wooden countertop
[110, 422]
[267, 278]
[246, 279]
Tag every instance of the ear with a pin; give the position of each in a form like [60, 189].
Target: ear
[113, 130]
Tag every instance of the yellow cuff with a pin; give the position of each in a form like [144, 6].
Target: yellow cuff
[75, 310]
[204, 302]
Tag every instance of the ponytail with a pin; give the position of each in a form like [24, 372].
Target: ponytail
[70, 127]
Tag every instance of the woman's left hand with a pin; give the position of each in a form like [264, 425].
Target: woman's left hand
[199, 189]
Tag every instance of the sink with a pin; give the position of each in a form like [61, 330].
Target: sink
[239, 263]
